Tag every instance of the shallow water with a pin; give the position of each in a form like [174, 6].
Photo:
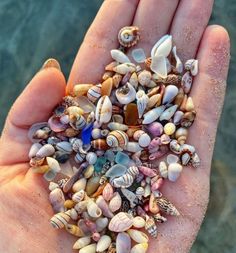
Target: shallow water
[32, 31]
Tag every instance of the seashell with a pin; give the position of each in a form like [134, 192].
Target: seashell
[45, 150]
[142, 101]
[134, 80]
[92, 185]
[99, 190]
[147, 191]
[144, 140]
[96, 133]
[93, 210]
[168, 113]
[39, 131]
[177, 117]
[103, 110]
[126, 94]
[153, 115]
[151, 227]
[123, 243]
[124, 181]
[121, 222]
[133, 171]
[147, 171]
[79, 185]
[130, 196]
[116, 171]
[34, 149]
[109, 67]
[78, 196]
[91, 248]
[80, 156]
[91, 158]
[167, 207]
[132, 147]
[129, 36]
[158, 218]
[178, 65]
[100, 201]
[138, 236]
[64, 146]
[140, 192]
[154, 100]
[74, 230]
[137, 134]
[81, 206]
[117, 118]
[60, 220]
[162, 47]
[99, 144]
[153, 207]
[163, 169]
[181, 135]
[52, 186]
[101, 223]
[138, 55]
[172, 159]
[192, 66]
[116, 80]
[40, 169]
[144, 78]
[186, 148]
[85, 104]
[103, 243]
[57, 199]
[81, 89]
[117, 138]
[53, 164]
[115, 202]
[169, 94]
[156, 183]
[189, 105]
[88, 172]
[119, 56]
[125, 68]
[69, 204]
[187, 82]
[169, 128]
[82, 242]
[107, 87]
[185, 158]
[94, 93]
[138, 222]
[159, 66]
[195, 160]
[174, 171]
[107, 192]
[117, 126]
[69, 183]
[139, 248]
[74, 112]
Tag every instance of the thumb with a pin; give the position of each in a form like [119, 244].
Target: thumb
[35, 104]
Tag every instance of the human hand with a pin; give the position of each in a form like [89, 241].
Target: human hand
[24, 195]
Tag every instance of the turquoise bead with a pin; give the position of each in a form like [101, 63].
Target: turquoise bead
[122, 158]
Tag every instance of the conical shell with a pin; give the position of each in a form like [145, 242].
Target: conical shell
[34, 149]
[79, 185]
[81, 89]
[91, 248]
[107, 87]
[167, 207]
[124, 68]
[124, 181]
[46, 150]
[101, 223]
[53, 164]
[186, 83]
[115, 202]
[170, 93]
[57, 200]
[82, 242]
[104, 207]
[60, 220]
[93, 210]
[78, 196]
[153, 114]
[138, 236]
[139, 248]
[168, 113]
[119, 56]
[142, 101]
[123, 243]
[163, 169]
[121, 222]
[107, 192]
[103, 243]
[192, 65]
[151, 227]
[74, 230]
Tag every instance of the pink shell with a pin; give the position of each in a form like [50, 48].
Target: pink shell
[104, 207]
[56, 125]
[121, 222]
[154, 145]
[115, 202]
[159, 153]
[157, 184]
[147, 171]
[107, 192]
[33, 130]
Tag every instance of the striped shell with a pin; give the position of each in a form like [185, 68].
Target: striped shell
[167, 207]
[121, 222]
[79, 123]
[115, 202]
[117, 138]
[129, 36]
[94, 93]
[124, 181]
[133, 171]
[151, 227]
[139, 192]
[107, 192]
[103, 110]
[60, 220]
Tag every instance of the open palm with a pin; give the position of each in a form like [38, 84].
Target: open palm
[25, 210]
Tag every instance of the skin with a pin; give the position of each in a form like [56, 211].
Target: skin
[25, 209]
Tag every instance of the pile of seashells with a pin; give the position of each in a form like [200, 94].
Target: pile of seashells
[108, 148]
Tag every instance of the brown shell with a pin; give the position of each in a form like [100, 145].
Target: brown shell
[129, 36]
[99, 144]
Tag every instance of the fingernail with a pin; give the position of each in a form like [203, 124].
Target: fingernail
[51, 63]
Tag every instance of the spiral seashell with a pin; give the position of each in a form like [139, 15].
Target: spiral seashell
[74, 230]
[188, 119]
[93, 210]
[100, 201]
[60, 220]
[192, 66]
[139, 192]
[115, 202]
[121, 222]
[91, 158]
[126, 94]
[100, 144]
[142, 101]
[80, 156]
[129, 36]
[53, 164]
[81, 89]
[124, 181]
[163, 169]
[117, 138]
[39, 131]
[82, 242]
[170, 93]
[186, 82]
[147, 171]
[195, 160]
[78, 196]
[103, 110]
[107, 192]
[138, 236]
[94, 93]
[76, 144]
[144, 78]
[57, 199]
[151, 227]
[133, 171]
[153, 114]
[167, 207]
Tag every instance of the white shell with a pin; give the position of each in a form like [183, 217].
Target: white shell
[53, 164]
[115, 202]
[82, 242]
[179, 65]
[137, 236]
[60, 220]
[144, 78]
[159, 66]
[170, 93]
[130, 196]
[107, 192]
[64, 146]
[79, 185]
[124, 181]
[103, 243]
[192, 65]
[78, 196]
[126, 94]
[144, 140]
[91, 248]
[96, 133]
[103, 110]
[168, 113]
[174, 171]
[34, 149]
[124, 68]
[101, 223]
[138, 222]
[52, 186]
[139, 248]
[153, 114]
[132, 147]
[121, 222]
[46, 150]
[123, 243]
[162, 47]
[93, 210]
[186, 82]
[177, 117]
[142, 101]
[57, 200]
[91, 158]
[117, 126]
[138, 55]
[119, 56]
[163, 169]
[140, 192]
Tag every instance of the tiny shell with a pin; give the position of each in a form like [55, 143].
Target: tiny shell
[107, 192]
[186, 82]
[101, 223]
[93, 210]
[144, 77]
[134, 80]
[123, 243]
[119, 56]
[174, 171]
[124, 181]
[151, 227]
[179, 65]
[81, 89]
[172, 159]
[189, 105]
[140, 192]
[155, 129]
[170, 93]
[140, 248]
[34, 149]
[124, 68]
[159, 66]
[46, 150]
[64, 146]
[92, 185]
[130, 196]
[57, 200]
[99, 144]
[195, 160]
[162, 47]
[137, 236]
[138, 222]
[82, 242]
[79, 185]
[181, 135]
[60, 220]
[103, 243]
[38, 131]
[126, 94]
[121, 222]
[168, 113]
[91, 248]
[115, 202]
[144, 140]
[88, 172]
[107, 87]
[94, 93]
[78, 196]
[147, 171]
[185, 158]
[117, 138]
[177, 117]
[133, 171]
[167, 207]
[137, 134]
[116, 80]
[53, 164]
[192, 65]
[103, 110]
[129, 36]
[91, 158]
[74, 230]
[117, 126]
[100, 201]
[153, 114]
[142, 101]
[169, 128]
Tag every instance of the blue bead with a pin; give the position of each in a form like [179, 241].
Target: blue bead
[99, 164]
[122, 158]
[86, 134]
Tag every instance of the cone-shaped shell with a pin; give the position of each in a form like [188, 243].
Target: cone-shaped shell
[167, 207]
[91, 248]
[115, 202]
[137, 236]
[123, 243]
[46, 150]
[139, 248]
[153, 114]
[103, 243]
[119, 56]
[60, 220]
[82, 242]
[103, 110]
[107, 192]
[104, 207]
[170, 93]
[121, 222]
[57, 200]
[81, 89]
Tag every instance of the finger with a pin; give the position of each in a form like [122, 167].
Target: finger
[101, 37]
[188, 25]
[154, 17]
[209, 89]
[35, 104]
